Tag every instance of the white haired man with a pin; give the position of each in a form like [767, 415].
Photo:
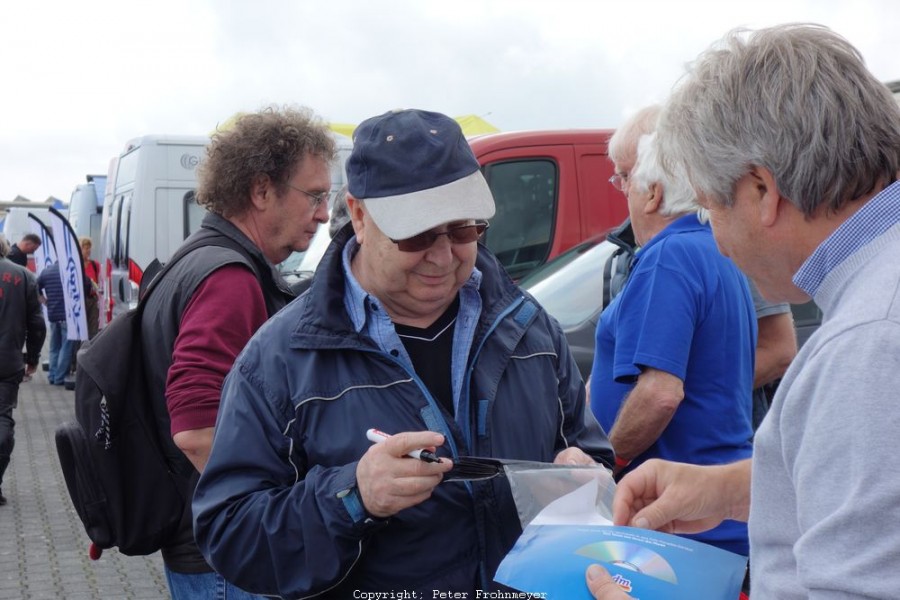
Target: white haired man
[673, 368]
[794, 147]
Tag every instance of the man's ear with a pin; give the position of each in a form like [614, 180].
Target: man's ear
[654, 199]
[355, 209]
[768, 195]
[261, 191]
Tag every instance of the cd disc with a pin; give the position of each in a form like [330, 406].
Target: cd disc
[633, 557]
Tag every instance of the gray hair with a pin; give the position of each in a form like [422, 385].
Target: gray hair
[678, 197]
[4, 246]
[796, 100]
[624, 142]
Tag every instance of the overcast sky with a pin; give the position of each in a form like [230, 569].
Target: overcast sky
[81, 78]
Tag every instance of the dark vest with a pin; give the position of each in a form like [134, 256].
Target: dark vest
[160, 325]
[165, 306]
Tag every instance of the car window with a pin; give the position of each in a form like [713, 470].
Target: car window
[525, 196]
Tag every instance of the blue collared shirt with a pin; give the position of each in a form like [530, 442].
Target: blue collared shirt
[370, 318]
[875, 217]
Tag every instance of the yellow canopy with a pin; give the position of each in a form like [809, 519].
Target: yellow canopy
[475, 125]
[343, 128]
[470, 124]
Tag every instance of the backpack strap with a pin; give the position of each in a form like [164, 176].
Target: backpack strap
[623, 237]
[189, 246]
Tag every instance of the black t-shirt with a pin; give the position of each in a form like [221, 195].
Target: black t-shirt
[430, 350]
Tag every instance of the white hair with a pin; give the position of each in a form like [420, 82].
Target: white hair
[678, 197]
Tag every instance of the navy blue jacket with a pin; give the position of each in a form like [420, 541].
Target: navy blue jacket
[276, 510]
[51, 286]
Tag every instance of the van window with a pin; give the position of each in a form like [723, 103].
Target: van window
[127, 169]
[125, 231]
[115, 215]
[193, 212]
[525, 193]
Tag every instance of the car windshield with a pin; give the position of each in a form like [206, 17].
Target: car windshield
[572, 292]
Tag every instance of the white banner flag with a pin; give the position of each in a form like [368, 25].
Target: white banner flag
[45, 254]
[68, 253]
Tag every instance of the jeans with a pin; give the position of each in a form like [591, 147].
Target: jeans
[9, 395]
[60, 353]
[203, 586]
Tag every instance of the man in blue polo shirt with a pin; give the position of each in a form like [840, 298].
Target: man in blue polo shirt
[673, 367]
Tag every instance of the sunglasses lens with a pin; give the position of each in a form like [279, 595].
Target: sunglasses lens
[417, 243]
[458, 235]
[465, 235]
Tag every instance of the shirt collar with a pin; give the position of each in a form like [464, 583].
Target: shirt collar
[874, 218]
[355, 296]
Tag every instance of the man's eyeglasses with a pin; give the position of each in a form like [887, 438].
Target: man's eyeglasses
[460, 234]
[619, 181]
[317, 199]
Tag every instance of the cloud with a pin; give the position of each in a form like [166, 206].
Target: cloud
[83, 78]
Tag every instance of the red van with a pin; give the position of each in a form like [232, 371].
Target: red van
[552, 191]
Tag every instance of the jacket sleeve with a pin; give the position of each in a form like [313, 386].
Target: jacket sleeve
[580, 427]
[36, 329]
[261, 518]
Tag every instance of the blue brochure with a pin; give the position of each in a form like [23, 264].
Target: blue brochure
[550, 561]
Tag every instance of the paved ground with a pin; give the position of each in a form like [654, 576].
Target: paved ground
[43, 547]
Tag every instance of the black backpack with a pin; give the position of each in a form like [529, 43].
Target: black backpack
[618, 265]
[123, 488]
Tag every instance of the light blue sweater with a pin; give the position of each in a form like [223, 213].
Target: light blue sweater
[825, 507]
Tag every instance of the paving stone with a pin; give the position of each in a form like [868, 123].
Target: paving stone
[43, 547]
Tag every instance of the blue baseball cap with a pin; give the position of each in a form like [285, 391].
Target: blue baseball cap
[415, 171]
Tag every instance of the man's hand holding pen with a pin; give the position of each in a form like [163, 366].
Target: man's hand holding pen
[390, 481]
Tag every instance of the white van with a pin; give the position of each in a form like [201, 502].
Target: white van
[148, 209]
[86, 208]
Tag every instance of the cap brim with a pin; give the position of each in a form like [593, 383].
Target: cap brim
[406, 215]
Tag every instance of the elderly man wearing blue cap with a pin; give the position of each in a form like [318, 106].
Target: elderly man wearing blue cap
[412, 328]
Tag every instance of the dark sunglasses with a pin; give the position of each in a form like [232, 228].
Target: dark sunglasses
[461, 234]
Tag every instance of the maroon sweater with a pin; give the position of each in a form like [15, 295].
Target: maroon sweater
[221, 317]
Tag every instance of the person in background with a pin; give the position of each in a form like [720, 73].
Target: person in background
[340, 215]
[776, 347]
[21, 325]
[776, 343]
[673, 367]
[92, 288]
[18, 252]
[265, 183]
[61, 347]
[794, 147]
[411, 327]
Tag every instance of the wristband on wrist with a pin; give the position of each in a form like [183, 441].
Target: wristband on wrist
[621, 462]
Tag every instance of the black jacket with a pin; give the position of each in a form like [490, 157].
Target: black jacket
[21, 321]
[17, 256]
